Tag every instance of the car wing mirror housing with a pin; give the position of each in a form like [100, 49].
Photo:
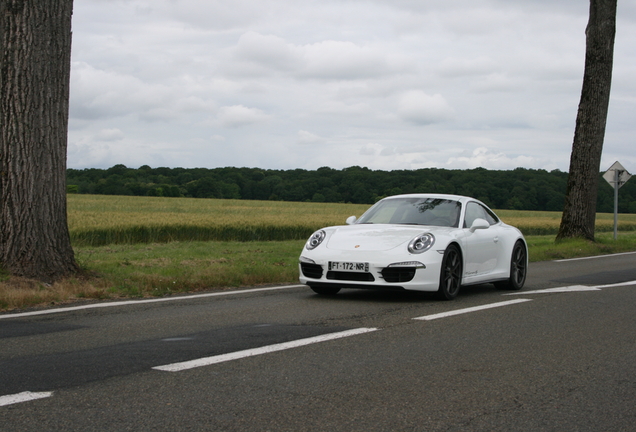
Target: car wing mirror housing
[479, 224]
[351, 220]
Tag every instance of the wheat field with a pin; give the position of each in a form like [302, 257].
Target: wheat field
[96, 220]
[101, 219]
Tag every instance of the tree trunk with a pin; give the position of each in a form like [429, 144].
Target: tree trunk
[35, 41]
[579, 212]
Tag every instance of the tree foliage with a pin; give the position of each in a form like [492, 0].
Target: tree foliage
[520, 189]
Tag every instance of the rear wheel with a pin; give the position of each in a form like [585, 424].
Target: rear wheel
[518, 268]
[450, 278]
[326, 291]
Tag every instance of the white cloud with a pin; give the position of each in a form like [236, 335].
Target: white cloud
[482, 157]
[418, 107]
[258, 55]
[465, 67]
[342, 60]
[238, 115]
[268, 50]
[387, 151]
[305, 137]
[110, 135]
[386, 84]
[495, 82]
[370, 149]
[100, 94]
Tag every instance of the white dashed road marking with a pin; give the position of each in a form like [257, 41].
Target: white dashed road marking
[470, 309]
[23, 397]
[176, 367]
[574, 288]
[617, 284]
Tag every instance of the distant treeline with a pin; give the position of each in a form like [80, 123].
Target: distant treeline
[519, 189]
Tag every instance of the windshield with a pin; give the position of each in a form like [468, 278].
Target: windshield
[414, 211]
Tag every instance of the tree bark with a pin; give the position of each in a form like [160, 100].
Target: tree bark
[35, 41]
[579, 212]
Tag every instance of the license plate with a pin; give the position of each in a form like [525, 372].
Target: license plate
[349, 266]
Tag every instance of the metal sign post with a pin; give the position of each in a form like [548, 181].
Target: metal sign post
[616, 176]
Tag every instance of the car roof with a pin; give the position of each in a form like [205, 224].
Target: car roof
[436, 196]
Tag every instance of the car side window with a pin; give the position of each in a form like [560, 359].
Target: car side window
[477, 211]
[490, 216]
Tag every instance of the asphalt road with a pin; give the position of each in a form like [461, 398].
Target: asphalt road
[559, 355]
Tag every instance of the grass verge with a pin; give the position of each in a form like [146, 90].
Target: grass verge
[146, 270]
[159, 269]
[543, 248]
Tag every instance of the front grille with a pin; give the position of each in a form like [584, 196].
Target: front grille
[350, 276]
[398, 274]
[313, 271]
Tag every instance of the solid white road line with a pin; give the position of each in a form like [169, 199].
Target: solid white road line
[23, 397]
[135, 302]
[594, 257]
[176, 367]
[470, 309]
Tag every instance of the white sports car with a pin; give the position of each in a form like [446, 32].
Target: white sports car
[419, 242]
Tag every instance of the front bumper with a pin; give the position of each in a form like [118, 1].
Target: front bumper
[422, 277]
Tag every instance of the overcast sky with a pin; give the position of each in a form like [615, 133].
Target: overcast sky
[384, 84]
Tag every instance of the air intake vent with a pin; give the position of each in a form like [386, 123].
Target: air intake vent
[350, 276]
[398, 274]
[313, 271]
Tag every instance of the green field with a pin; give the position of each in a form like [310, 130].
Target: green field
[154, 246]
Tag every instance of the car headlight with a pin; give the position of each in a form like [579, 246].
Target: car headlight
[421, 243]
[315, 239]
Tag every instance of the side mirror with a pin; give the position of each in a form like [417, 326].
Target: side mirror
[351, 220]
[479, 224]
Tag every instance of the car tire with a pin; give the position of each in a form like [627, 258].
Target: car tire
[518, 268]
[325, 291]
[450, 278]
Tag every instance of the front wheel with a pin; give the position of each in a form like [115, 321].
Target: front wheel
[450, 278]
[518, 268]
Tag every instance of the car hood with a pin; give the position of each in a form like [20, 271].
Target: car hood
[372, 237]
